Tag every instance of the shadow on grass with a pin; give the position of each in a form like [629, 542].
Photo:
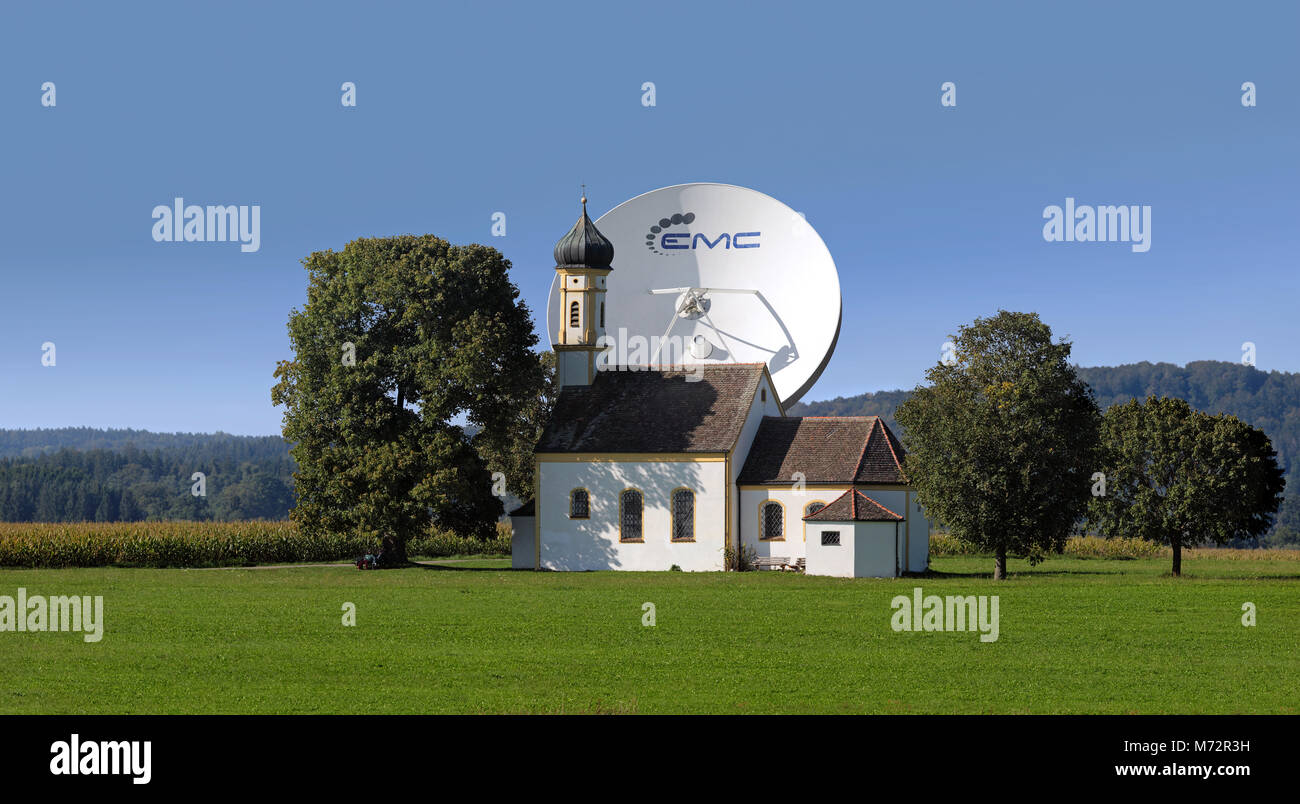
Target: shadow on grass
[1011, 574]
[452, 567]
[1116, 572]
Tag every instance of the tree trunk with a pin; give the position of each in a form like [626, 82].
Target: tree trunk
[1000, 565]
[1178, 555]
[392, 552]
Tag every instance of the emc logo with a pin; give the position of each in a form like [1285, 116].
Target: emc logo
[659, 237]
[675, 241]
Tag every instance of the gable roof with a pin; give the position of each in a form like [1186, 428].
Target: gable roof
[826, 449]
[663, 409]
[854, 506]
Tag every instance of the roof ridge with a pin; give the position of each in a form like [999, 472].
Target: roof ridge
[889, 442]
[857, 469]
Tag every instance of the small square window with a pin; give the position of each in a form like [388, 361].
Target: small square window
[830, 538]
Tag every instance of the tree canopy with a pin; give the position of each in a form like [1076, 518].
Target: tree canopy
[1182, 477]
[1002, 442]
[403, 342]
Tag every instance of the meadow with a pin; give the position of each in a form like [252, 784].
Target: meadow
[1076, 636]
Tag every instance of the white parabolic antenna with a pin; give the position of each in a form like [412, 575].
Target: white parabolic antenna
[714, 273]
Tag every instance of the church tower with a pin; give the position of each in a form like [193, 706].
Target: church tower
[582, 259]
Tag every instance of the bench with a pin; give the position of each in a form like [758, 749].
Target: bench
[779, 563]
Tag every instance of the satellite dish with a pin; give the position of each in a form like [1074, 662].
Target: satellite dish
[722, 274]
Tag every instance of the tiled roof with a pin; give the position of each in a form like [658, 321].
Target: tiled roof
[665, 409]
[825, 449]
[854, 506]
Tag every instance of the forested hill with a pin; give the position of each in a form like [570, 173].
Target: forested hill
[86, 474]
[1267, 400]
[32, 443]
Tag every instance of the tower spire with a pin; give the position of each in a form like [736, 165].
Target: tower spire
[582, 259]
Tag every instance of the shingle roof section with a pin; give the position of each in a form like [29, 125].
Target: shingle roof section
[854, 506]
[825, 449]
[663, 409]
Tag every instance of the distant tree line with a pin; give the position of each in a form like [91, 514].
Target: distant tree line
[89, 475]
[1269, 401]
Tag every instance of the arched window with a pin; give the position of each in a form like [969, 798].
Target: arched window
[629, 516]
[579, 504]
[771, 522]
[683, 503]
[573, 314]
[602, 315]
[808, 510]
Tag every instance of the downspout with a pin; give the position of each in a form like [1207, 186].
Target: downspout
[898, 570]
[740, 519]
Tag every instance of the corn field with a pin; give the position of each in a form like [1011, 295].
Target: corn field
[204, 544]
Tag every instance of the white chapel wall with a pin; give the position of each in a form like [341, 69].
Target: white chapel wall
[593, 544]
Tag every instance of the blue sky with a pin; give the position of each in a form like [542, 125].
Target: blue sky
[933, 215]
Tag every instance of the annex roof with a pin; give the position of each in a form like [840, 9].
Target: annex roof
[854, 506]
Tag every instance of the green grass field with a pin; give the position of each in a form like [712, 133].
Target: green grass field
[1080, 636]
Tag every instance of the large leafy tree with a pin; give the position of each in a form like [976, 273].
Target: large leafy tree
[510, 449]
[1002, 442]
[1183, 477]
[401, 342]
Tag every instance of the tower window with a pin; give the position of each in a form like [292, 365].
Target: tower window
[602, 315]
[683, 503]
[573, 314]
[629, 516]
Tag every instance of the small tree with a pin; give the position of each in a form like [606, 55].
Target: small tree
[1182, 477]
[403, 339]
[1002, 442]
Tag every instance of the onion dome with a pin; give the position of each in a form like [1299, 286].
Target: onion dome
[584, 246]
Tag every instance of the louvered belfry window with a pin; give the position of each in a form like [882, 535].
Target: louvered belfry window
[573, 314]
[629, 516]
[773, 521]
[683, 515]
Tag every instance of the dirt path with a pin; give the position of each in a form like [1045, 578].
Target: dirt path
[346, 564]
